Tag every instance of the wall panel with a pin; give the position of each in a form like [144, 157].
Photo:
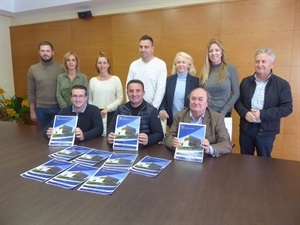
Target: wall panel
[25, 40]
[243, 26]
[89, 37]
[189, 29]
[126, 32]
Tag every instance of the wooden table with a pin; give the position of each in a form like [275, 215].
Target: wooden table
[233, 189]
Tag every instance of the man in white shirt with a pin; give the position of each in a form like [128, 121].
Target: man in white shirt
[151, 70]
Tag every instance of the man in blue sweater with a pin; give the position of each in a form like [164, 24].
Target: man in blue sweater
[89, 124]
[150, 126]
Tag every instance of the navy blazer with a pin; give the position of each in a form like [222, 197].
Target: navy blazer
[167, 103]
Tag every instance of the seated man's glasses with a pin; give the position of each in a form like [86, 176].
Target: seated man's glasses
[79, 96]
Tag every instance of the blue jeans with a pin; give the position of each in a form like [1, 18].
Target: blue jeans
[252, 140]
[45, 115]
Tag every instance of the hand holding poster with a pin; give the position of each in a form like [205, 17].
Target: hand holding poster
[63, 131]
[190, 137]
[127, 130]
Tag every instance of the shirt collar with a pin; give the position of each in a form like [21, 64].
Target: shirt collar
[82, 111]
[266, 80]
[199, 121]
[67, 75]
[182, 75]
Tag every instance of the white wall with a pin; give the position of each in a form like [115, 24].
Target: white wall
[6, 71]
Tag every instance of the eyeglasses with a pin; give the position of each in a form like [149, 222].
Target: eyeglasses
[78, 96]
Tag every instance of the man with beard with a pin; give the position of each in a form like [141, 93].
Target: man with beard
[42, 86]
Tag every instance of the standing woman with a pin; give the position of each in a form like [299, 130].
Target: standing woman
[105, 90]
[219, 79]
[66, 80]
[178, 87]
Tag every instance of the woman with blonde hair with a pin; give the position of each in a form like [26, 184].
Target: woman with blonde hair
[219, 79]
[178, 87]
[71, 77]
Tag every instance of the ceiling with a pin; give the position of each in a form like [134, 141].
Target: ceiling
[23, 8]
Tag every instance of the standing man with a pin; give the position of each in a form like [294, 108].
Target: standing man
[42, 86]
[150, 127]
[217, 139]
[151, 70]
[264, 99]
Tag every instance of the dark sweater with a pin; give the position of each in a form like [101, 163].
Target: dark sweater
[90, 121]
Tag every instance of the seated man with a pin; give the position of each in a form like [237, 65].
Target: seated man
[217, 140]
[150, 127]
[89, 124]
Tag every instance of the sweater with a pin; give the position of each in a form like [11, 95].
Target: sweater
[106, 94]
[223, 94]
[89, 121]
[153, 74]
[42, 84]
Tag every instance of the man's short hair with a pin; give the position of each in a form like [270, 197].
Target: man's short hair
[267, 51]
[46, 43]
[136, 81]
[147, 37]
[79, 86]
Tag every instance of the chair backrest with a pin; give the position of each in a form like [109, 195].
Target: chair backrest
[104, 121]
[228, 125]
[164, 126]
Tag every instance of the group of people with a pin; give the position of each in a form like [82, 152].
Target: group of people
[261, 99]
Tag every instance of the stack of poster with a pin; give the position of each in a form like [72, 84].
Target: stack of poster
[120, 161]
[190, 137]
[63, 130]
[150, 166]
[127, 130]
[73, 176]
[92, 157]
[70, 174]
[104, 181]
[47, 170]
[70, 153]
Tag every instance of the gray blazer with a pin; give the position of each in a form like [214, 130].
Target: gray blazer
[216, 132]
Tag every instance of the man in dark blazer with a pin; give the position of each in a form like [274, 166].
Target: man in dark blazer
[265, 98]
[217, 139]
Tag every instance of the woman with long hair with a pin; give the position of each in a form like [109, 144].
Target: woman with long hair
[219, 79]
